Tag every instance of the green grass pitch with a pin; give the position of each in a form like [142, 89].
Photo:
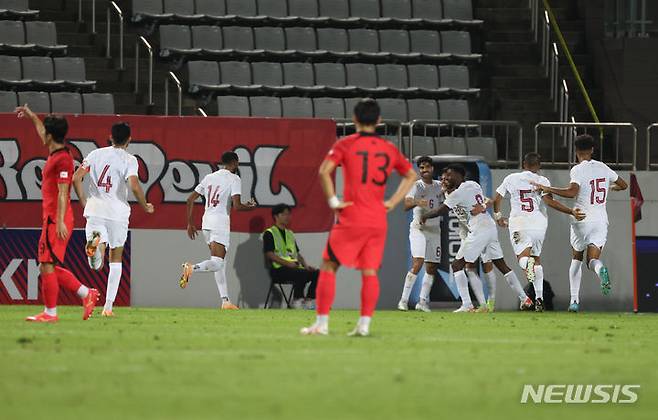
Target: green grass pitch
[253, 364]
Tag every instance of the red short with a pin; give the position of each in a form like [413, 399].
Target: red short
[356, 247]
[51, 248]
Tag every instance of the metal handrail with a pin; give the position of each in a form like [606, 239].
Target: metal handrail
[554, 75]
[201, 112]
[546, 43]
[564, 109]
[649, 130]
[598, 125]
[179, 88]
[113, 7]
[142, 40]
[93, 15]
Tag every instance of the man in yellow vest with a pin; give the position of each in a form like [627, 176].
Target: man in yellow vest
[285, 262]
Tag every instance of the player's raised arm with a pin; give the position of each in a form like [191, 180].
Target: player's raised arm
[554, 204]
[442, 210]
[136, 188]
[25, 112]
[78, 177]
[567, 192]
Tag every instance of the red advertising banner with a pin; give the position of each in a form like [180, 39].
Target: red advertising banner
[279, 159]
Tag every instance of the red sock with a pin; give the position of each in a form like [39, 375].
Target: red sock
[67, 279]
[325, 292]
[369, 294]
[49, 290]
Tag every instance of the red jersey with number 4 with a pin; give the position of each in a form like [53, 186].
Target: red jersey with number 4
[367, 161]
[58, 170]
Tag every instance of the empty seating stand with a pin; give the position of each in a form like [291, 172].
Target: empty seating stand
[16, 9]
[29, 38]
[60, 73]
[58, 102]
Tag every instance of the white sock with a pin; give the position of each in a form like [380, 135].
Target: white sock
[408, 285]
[50, 311]
[596, 266]
[539, 282]
[476, 285]
[220, 277]
[83, 291]
[462, 287]
[575, 274]
[491, 284]
[364, 322]
[425, 289]
[212, 264]
[113, 279]
[514, 283]
[523, 262]
[322, 320]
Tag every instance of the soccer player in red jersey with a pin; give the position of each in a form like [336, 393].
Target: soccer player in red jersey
[57, 218]
[358, 236]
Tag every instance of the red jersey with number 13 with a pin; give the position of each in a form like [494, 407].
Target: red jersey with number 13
[58, 170]
[367, 161]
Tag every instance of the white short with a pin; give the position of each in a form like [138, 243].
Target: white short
[425, 244]
[113, 232]
[527, 238]
[221, 236]
[483, 243]
[583, 234]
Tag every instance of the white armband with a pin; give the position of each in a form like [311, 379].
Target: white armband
[334, 202]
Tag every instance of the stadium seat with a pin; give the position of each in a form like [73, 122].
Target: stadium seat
[332, 77]
[294, 107]
[300, 75]
[367, 11]
[37, 101]
[335, 41]
[244, 11]
[272, 40]
[303, 40]
[66, 103]
[456, 78]
[98, 103]
[396, 42]
[275, 11]
[270, 76]
[366, 42]
[428, 43]
[422, 109]
[307, 12]
[451, 146]
[399, 11]
[212, 10]
[149, 11]
[425, 77]
[236, 75]
[232, 106]
[181, 9]
[429, 10]
[209, 39]
[328, 108]
[8, 101]
[460, 11]
[239, 38]
[364, 77]
[203, 76]
[10, 72]
[40, 70]
[458, 44]
[335, 9]
[454, 109]
[176, 40]
[393, 109]
[72, 71]
[12, 38]
[483, 146]
[16, 9]
[44, 36]
[265, 106]
[393, 77]
[423, 146]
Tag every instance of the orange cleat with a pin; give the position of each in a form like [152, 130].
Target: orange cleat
[185, 275]
[42, 317]
[93, 243]
[89, 303]
[228, 305]
[107, 314]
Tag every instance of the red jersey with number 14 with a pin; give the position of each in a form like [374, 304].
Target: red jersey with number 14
[58, 170]
[367, 161]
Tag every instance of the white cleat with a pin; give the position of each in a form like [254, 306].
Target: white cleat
[315, 329]
[423, 307]
[403, 306]
[464, 308]
[359, 331]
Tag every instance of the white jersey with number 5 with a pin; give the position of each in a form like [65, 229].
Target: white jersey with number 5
[109, 169]
[217, 188]
[434, 196]
[462, 200]
[527, 207]
[594, 179]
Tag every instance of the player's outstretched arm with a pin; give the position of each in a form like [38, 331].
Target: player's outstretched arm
[139, 194]
[405, 185]
[619, 185]
[554, 204]
[237, 203]
[327, 168]
[78, 177]
[498, 215]
[442, 210]
[25, 112]
[567, 192]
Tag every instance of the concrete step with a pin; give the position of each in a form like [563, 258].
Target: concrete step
[509, 36]
[528, 105]
[505, 82]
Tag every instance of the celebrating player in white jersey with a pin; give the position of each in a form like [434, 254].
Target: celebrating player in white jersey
[425, 240]
[467, 201]
[221, 190]
[528, 222]
[590, 182]
[107, 210]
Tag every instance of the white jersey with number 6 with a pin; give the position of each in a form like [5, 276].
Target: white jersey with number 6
[109, 169]
[217, 188]
[432, 194]
[594, 179]
[527, 207]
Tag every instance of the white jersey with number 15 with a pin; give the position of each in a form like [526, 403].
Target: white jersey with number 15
[594, 179]
[217, 188]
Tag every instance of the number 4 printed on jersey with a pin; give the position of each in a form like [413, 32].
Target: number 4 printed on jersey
[107, 184]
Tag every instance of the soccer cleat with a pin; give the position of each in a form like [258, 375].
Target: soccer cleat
[315, 329]
[530, 270]
[606, 287]
[359, 331]
[42, 317]
[463, 308]
[92, 244]
[403, 306]
[482, 309]
[89, 303]
[107, 313]
[185, 275]
[309, 304]
[539, 305]
[228, 305]
[491, 305]
[297, 304]
[526, 304]
[573, 307]
[423, 307]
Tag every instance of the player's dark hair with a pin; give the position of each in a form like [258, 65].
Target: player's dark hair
[120, 133]
[456, 167]
[584, 142]
[57, 127]
[229, 157]
[280, 208]
[424, 159]
[532, 159]
[366, 111]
